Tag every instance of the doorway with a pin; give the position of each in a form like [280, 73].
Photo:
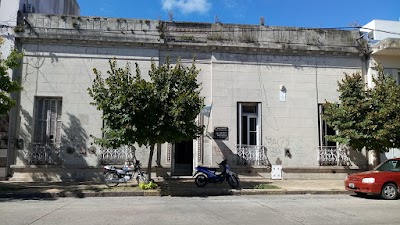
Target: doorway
[183, 159]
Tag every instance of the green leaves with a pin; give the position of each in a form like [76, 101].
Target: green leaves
[146, 112]
[366, 118]
[8, 86]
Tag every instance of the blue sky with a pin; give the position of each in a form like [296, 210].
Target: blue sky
[298, 13]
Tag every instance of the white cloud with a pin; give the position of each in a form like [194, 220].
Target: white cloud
[187, 6]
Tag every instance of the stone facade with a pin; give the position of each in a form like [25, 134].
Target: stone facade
[263, 84]
[9, 12]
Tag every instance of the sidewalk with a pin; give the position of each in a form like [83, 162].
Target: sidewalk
[169, 187]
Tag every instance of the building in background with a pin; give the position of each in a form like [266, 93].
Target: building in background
[9, 12]
[384, 43]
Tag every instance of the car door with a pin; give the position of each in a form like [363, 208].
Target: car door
[396, 172]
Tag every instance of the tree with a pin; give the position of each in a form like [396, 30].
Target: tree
[137, 111]
[7, 85]
[383, 121]
[367, 118]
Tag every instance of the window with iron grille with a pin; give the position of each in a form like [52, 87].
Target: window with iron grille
[47, 126]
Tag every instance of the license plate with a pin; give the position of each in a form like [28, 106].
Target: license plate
[351, 185]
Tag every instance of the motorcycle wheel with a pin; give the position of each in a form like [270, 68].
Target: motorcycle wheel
[233, 181]
[109, 177]
[201, 180]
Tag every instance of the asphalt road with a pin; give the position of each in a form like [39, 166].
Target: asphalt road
[243, 210]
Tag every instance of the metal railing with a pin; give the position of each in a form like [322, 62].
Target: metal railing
[116, 156]
[44, 154]
[333, 156]
[255, 155]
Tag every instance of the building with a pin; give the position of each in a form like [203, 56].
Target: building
[263, 87]
[9, 12]
[384, 42]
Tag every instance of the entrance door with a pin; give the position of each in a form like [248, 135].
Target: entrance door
[183, 155]
[249, 130]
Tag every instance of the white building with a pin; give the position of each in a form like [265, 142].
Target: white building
[9, 14]
[384, 38]
[265, 86]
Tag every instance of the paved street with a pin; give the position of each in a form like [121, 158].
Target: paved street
[268, 209]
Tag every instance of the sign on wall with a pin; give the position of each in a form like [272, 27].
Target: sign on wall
[221, 133]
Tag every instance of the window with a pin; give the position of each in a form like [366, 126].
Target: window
[391, 165]
[47, 121]
[249, 124]
[324, 129]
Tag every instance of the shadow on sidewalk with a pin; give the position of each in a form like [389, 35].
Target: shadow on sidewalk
[45, 191]
[188, 188]
[169, 187]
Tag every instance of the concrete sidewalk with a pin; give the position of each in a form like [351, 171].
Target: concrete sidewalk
[168, 187]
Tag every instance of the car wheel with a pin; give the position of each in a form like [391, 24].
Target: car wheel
[389, 191]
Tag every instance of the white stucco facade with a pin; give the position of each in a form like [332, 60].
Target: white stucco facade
[275, 87]
[10, 13]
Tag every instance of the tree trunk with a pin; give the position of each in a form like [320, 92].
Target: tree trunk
[150, 161]
[158, 154]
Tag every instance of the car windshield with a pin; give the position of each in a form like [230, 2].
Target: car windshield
[390, 165]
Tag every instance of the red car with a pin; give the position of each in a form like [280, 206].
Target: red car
[384, 180]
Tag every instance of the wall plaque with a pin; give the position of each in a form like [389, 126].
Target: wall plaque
[221, 132]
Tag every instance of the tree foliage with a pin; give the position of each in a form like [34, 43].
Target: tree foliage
[7, 85]
[366, 117]
[147, 112]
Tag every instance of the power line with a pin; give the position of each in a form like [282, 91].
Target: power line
[378, 30]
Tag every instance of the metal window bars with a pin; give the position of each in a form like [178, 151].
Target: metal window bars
[44, 154]
[333, 156]
[117, 156]
[254, 155]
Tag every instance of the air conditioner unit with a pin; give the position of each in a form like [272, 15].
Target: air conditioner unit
[29, 8]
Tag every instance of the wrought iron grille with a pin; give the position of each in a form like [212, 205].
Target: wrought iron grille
[117, 156]
[255, 155]
[333, 156]
[43, 154]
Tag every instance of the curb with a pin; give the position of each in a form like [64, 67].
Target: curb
[181, 193]
[34, 195]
